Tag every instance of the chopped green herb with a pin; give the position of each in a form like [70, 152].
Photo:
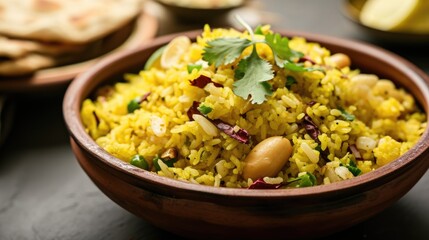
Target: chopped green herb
[353, 168]
[290, 81]
[194, 66]
[139, 161]
[204, 109]
[346, 115]
[305, 180]
[133, 105]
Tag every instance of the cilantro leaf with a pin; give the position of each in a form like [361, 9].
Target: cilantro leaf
[258, 30]
[280, 47]
[299, 67]
[285, 56]
[294, 67]
[223, 51]
[254, 71]
[241, 69]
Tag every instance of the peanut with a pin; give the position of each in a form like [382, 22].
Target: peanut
[267, 158]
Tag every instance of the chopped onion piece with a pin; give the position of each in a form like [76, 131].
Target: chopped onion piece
[261, 184]
[205, 124]
[202, 81]
[314, 158]
[343, 172]
[165, 170]
[311, 128]
[158, 126]
[365, 143]
[355, 152]
[235, 132]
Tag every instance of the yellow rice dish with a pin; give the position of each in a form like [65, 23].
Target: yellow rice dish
[253, 110]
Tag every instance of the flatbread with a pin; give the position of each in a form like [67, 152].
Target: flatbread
[17, 48]
[25, 65]
[69, 21]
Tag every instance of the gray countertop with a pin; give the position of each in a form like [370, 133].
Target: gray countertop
[44, 194]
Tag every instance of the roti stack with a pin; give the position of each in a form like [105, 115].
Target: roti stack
[37, 34]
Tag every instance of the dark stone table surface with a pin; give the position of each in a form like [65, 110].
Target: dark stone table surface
[44, 194]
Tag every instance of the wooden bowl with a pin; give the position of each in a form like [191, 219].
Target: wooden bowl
[352, 9]
[194, 211]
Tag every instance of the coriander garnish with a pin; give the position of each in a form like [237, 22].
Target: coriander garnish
[253, 72]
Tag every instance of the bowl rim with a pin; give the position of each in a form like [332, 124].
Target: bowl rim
[71, 114]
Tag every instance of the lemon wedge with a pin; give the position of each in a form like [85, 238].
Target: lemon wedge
[174, 51]
[155, 59]
[397, 15]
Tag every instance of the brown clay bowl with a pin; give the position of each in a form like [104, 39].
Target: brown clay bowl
[193, 211]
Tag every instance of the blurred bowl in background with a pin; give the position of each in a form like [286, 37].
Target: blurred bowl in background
[352, 10]
[206, 11]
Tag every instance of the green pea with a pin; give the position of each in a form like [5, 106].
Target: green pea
[133, 105]
[139, 161]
